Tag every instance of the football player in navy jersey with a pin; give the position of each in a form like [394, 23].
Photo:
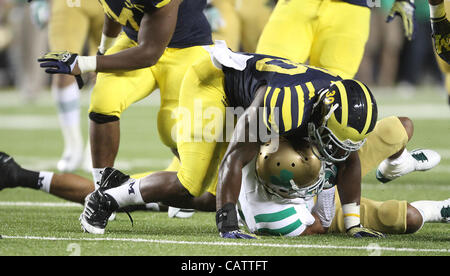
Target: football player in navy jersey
[160, 39]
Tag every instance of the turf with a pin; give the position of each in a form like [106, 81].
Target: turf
[29, 132]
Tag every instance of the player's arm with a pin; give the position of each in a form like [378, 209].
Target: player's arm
[316, 228]
[349, 189]
[111, 29]
[155, 33]
[239, 153]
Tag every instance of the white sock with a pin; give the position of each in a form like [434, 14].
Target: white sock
[97, 176]
[45, 179]
[437, 11]
[430, 210]
[68, 102]
[128, 193]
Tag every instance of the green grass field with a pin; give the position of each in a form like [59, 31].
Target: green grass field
[35, 223]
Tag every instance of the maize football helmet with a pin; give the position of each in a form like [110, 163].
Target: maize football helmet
[342, 118]
[291, 171]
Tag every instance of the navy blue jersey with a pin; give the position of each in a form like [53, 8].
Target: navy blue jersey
[192, 27]
[291, 89]
[363, 3]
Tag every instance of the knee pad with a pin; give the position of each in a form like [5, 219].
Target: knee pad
[392, 216]
[392, 131]
[102, 119]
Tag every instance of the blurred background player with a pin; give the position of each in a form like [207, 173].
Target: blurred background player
[437, 12]
[29, 40]
[380, 63]
[71, 25]
[441, 28]
[330, 34]
[239, 22]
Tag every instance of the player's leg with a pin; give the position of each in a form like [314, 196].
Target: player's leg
[390, 217]
[443, 65]
[340, 38]
[433, 211]
[68, 29]
[229, 28]
[403, 161]
[386, 148]
[289, 33]
[395, 216]
[254, 16]
[67, 186]
[112, 94]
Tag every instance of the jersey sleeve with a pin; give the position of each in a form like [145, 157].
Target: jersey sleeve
[284, 109]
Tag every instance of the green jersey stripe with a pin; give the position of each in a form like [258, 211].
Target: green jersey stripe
[281, 231]
[271, 217]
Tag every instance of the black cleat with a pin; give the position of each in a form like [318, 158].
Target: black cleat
[112, 178]
[99, 206]
[9, 172]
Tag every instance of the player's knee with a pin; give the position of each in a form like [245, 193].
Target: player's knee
[414, 220]
[389, 216]
[101, 118]
[389, 130]
[408, 125]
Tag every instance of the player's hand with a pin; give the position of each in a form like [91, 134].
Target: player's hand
[60, 63]
[361, 232]
[441, 37]
[237, 234]
[227, 223]
[405, 9]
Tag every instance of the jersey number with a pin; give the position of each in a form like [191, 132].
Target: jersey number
[285, 66]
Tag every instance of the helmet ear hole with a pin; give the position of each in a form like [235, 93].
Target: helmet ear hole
[265, 157]
[293, 165]
[278, 164]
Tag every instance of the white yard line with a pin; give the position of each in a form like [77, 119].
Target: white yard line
[39, 204]
[39, 163]
[370, 248]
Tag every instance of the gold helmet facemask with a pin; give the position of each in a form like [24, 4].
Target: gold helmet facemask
[290, 172]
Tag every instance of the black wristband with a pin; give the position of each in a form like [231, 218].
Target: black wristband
[226, 218]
